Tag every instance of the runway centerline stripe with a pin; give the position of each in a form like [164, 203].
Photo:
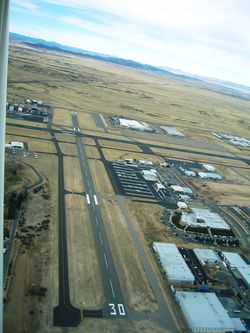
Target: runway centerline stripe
[100, 236]
[95, 199]
[111, 285]
[88, 200]
[106, 263]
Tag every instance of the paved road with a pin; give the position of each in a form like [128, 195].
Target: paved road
[114, 301]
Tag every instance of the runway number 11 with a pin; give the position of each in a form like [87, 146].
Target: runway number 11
[119, 309]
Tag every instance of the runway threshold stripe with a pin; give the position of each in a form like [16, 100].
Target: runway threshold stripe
[95, 199]
[88, 200]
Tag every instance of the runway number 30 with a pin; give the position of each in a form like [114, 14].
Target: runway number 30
[117, 309]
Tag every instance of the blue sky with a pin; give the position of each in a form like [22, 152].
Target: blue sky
[205, 37]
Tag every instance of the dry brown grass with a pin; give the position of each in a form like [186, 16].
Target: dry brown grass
[86, 120]
[134, 284]
[222, 193]
[92, 152]
[61, 117]
[100, 177]
[72, 174]
[84, 274]
[68, 149]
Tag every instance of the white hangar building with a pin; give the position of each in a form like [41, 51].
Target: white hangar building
[173, 264]
[204, 312]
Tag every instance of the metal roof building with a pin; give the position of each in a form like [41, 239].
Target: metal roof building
[237, 262]
[204, 312]
[203, 218]
[173, 264]
[209, 175]
[150, 175]
[209, 167]
[181, 189]
[172, 131]
[207, 257]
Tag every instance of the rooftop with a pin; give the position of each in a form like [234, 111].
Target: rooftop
[238, 262]
[206, 254]
[172, 131]
[204, 310]
[204, 218]
[172, 261]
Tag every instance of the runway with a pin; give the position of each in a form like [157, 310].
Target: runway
[114, 300]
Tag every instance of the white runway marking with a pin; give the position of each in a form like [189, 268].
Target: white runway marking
[106, 263]
[95, 199]
[100, 236]
[88, 200]
[111, 285]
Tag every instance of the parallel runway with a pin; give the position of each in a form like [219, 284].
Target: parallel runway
[114, 301]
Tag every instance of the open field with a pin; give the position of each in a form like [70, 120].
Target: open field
[66, 138]
[90, 85]
[100, 177]
[61, 117]
[72, 174]
[133, 281]
[234, 175]
[221, 193]
[89, 141]
[27, 132]
[68, 149]
[84, 274]
[113, 154]
[119, 145]
[25, 122]
[43, 250]
[92, 152]
[86, 120]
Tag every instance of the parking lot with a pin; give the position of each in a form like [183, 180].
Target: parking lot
[22, 153]
[194, 265]
[130, 181]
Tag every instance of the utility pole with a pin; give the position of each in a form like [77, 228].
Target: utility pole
[4, 39]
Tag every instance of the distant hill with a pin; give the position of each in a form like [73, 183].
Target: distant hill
[222, 87]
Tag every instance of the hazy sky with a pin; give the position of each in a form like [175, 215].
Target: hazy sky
[206, 37]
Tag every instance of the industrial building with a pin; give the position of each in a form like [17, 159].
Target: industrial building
[134, 124]
[181, 189]
[238, 264]
[173, 264]
[207, 257]
[204, 312]
[209, 175]
[172, 131]
[203, 218]
[209, 167]
[182, 205]
[14, 145]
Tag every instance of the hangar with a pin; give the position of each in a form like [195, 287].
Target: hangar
[204, 312]
[173, 264]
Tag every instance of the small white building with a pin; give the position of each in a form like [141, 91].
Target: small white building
[182, 205]
[209, 175]
[172, 131]
[236, 262]
[134, 124]
[145, 162]
[173, 264]
[159, 186]
[17, 145]
[207, 257]
[190, 173]
[209, 167]
[150, 175]
[204, 312]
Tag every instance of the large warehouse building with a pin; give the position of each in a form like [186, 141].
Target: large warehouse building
[203, 218]
[236, 262]
[173, 264]
[204, 312]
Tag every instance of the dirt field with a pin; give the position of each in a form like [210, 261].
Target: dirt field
[66, 138]
[84, 275]
[88, 141]
[86, 120]
[118, 145]
[92, 152]
[100, 177]
[25, 122]
[131, 274]
[61, 117]
[36, 265]
[221, 193]
[27, 132]
[113, 154]
[68, 149]
[234, 175]
[72, 174]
